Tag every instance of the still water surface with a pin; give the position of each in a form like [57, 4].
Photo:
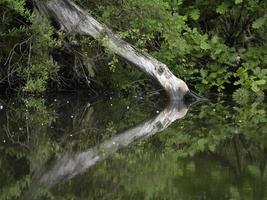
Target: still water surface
[74, 147]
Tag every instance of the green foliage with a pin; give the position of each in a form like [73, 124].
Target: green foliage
[251, 75]
[15, 191]
[222, 8]
[207, 43]
[216, 45]
[28, 41]
[216, 151]
[258, 23]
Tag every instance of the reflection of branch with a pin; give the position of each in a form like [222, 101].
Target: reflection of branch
[70, 165]
[10, 135]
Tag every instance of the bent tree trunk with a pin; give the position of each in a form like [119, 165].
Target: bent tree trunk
[73, 19]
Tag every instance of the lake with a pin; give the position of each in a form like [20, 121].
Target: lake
[72, 146]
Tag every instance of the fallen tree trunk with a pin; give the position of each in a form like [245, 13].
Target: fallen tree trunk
[73, 19]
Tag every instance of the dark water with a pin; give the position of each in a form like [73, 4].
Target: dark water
[73, 147]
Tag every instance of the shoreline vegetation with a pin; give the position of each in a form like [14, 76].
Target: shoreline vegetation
[215, 47]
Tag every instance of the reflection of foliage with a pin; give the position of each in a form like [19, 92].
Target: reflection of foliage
[26, 120]
[16, 189]
[36, 131]
[216, 151]
[221, 154]
[26, 141]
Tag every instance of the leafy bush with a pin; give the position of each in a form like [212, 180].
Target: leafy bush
[214, 46]
[210, 44]
[28, 41]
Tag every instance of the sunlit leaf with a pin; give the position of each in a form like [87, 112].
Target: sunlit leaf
[222, 9]
[258, 23]
[195, 14]
[238, 1]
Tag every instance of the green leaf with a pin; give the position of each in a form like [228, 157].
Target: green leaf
[238, 1]
[201, 144]
[204, 45]
[212, 147]
[255, 84]
[258, 23]
[215, 39]
[260, 82]
[255, 87]
[205, 82]
[222, 9]
[203, 73]
[195, 14]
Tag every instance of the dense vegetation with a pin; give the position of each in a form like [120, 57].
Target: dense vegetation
[212, 45]
[217, 151]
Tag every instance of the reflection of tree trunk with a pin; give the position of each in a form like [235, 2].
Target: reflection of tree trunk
[73, 19]
[70, 165]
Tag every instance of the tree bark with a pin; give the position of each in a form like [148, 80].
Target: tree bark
[73, 19]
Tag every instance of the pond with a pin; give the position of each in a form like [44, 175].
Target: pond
[75, 147]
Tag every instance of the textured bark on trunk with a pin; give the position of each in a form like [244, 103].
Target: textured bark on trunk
[73, 19]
